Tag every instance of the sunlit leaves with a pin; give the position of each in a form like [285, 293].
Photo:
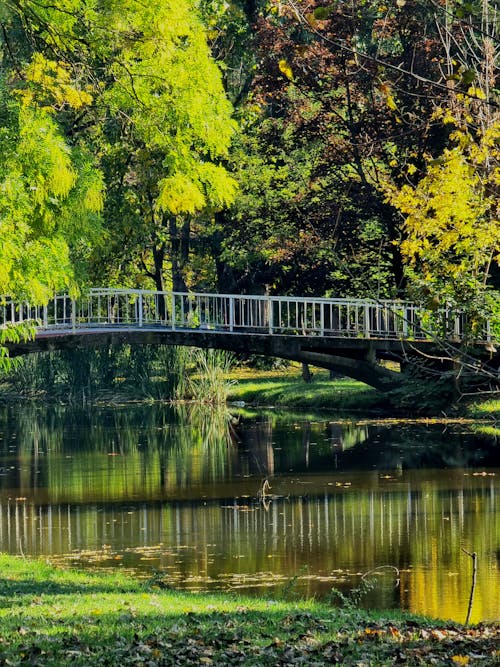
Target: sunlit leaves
[452, 230]
[50, 197]
[285, 68]
[52, 85]
[179, 194]
[131, 88]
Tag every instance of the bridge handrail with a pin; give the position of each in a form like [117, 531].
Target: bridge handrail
[240, 313]
[259, 297]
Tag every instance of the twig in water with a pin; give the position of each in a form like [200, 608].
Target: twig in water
[473, 555]
[263, 491]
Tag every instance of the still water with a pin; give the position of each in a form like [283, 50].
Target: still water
[176, 493]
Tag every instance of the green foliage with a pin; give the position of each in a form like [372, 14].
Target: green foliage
[84, 375]
[146, 372]
[50, 199]
[208, 382]
[167, 132]
[299, 224]
[123, 87]
[13, 333]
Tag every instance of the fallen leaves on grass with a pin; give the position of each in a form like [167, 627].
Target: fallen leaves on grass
[243, 638]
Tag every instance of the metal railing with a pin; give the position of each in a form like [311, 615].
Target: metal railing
[355, 318]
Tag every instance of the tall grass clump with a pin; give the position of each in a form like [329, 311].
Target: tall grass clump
[157, 372]
[208, 382]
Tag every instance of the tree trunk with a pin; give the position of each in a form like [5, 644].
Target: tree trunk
[179, 252]
[307, 376]
[159, 259]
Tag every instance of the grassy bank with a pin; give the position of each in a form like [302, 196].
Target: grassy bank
[485, 409]
[286, 388]
[51, 616]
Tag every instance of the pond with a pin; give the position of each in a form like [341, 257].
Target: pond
[179, 494]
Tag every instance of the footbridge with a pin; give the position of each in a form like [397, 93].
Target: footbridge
[350, 336]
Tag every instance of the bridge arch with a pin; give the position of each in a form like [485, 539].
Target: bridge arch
[350, 336]
[343, 359]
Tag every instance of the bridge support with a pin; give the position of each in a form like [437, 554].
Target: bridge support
[368, 372]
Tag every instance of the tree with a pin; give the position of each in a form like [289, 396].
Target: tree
[451, 223]
[50, 192]
[165, 133]
[155, 116]
[318, 135]
[452, 230]
[50, 201]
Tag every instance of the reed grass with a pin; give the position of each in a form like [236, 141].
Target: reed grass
[210, 380]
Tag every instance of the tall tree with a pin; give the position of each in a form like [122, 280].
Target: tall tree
[158, 120]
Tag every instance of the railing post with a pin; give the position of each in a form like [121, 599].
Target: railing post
[270, 314]
[73, 314]
[231, 313]
[139, 306]
[322, 318]
[405, 321]
[172, 308]
[367, 321]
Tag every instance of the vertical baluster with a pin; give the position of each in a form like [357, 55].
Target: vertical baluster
[231, 313]
[367, 321]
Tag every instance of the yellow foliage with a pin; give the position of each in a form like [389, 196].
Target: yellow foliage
[391, 103]
[285, 69]
[53, 81]
[476, 92]
[451, 217]
[179, 194]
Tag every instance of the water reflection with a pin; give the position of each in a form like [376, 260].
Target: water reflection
[174, 491]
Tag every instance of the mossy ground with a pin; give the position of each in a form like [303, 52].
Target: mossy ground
[52, 616]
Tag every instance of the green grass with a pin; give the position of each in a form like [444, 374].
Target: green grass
[286, 388]
[52, 616]
[485, 409]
